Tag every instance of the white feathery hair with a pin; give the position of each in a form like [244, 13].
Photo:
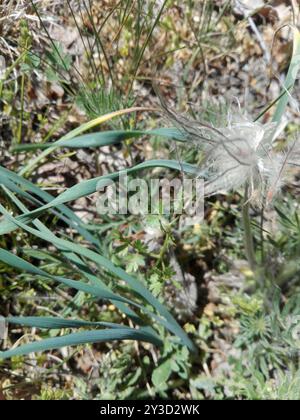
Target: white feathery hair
[242, 153]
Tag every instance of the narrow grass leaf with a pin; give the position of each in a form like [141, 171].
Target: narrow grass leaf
[101, 139]
[290, 78]
[81, 338]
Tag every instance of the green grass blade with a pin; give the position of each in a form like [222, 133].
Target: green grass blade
[76, 132]
[290, 78]
[76, 260]
[97, 291]
[56, 323]
[81, 338]
[89, 187]
[101, 139]
[170, 323]
[13, 181]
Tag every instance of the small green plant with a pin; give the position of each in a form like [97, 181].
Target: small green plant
[269, 344]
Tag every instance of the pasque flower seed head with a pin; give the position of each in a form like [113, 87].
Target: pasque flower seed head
[241, 153]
